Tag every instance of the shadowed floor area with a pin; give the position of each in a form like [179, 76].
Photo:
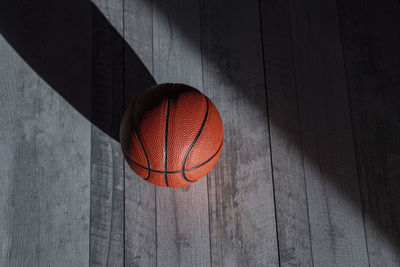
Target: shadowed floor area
[308, 93]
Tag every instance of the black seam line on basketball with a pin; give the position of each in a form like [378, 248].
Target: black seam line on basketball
[130, 161]
[194, 141]
[141, 144]
[166, 137]
[187, 170]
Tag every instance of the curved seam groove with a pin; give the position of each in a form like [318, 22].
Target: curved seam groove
[186, 170]
[166, 136]
[194, 141]
[141, 144]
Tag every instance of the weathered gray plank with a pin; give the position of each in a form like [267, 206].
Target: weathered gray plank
[182, 214]
[140, 214]
[106, 187]
[371, 41]
[242, 217]
[45, 152]
[286, 146]
[336, 224]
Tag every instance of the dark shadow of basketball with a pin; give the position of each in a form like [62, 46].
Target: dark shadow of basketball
[56, 40]
[66, 58]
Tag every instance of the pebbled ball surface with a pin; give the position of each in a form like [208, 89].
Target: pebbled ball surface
[171, 135]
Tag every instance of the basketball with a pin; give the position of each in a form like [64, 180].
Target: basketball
[171, 135]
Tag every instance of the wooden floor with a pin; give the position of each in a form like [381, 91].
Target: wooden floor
[309, 93]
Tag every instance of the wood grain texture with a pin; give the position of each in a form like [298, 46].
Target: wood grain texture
[371, 41]
[140, 214]
[106, 198]
[182, 213]
[242, 216]
[45, 170]
[286, 147]
[308, 92]
[336, 223]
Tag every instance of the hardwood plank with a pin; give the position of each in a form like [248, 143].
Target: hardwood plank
[106, 198]
[371, 40]
[140, 214]
[336, 223]
[45, 147]
[182, 213]
[286, 146]
[242, 216]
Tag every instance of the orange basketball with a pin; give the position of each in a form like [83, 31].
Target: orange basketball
[171, 135]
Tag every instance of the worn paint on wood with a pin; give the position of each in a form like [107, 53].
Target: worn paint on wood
[106, 198]
[336, 224]
[286, 146]
[331, 75]
[242, 217]
[45, 142]
[371, 42]
[140, 213]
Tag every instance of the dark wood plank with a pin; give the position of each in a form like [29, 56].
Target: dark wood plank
[182, 213]
[286, 146]
[242, 216]
[140, 214]
[45, 142]
[371, 41]
[336, 223]
[106, 198]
